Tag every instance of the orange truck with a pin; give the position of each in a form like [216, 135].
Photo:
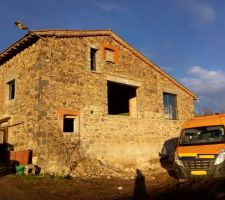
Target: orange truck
[200, 151]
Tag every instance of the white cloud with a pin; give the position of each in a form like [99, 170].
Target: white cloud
[200, 10]
[209, 85]
[110, 6]
[205, 81]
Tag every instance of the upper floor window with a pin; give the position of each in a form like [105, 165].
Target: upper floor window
[121, 99]
[93, 59]
[109, 55]
[170, 106]
[11, 89]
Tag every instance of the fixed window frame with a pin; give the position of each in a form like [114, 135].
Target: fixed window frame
[71, 124]
[170, 106]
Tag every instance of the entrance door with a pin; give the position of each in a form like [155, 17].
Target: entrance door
[4, 154]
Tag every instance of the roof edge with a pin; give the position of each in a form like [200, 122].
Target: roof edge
[157, 68]
[32, 36]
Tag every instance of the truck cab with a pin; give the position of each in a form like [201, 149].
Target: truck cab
[200, 152]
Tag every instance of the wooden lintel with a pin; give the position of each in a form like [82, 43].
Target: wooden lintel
[5, 119]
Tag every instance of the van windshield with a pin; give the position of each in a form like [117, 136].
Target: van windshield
[202, 135]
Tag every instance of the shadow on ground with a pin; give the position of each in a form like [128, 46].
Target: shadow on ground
[196, 189]
[139, 186]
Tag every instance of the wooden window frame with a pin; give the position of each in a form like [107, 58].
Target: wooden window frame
[170, 108]
[11, 89]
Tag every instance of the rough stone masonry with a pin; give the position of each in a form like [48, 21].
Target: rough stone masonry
[86, 102]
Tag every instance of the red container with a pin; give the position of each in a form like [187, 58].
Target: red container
[22, 157]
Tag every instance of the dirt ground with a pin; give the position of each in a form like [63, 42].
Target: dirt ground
[156, 186]
[15, 187]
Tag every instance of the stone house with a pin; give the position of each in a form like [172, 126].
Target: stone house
[72, 96]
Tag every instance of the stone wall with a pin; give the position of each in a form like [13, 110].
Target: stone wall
[55, 80]
[24, 117]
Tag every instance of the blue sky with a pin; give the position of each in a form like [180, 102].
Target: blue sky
[183, 37]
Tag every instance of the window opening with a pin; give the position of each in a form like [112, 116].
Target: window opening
[11, 86]
[121, 99]
[68, 124]
[71, 123]
[93, 59]
[170, 106]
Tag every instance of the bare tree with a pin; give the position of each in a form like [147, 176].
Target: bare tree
[207, 111]
[222, 111]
